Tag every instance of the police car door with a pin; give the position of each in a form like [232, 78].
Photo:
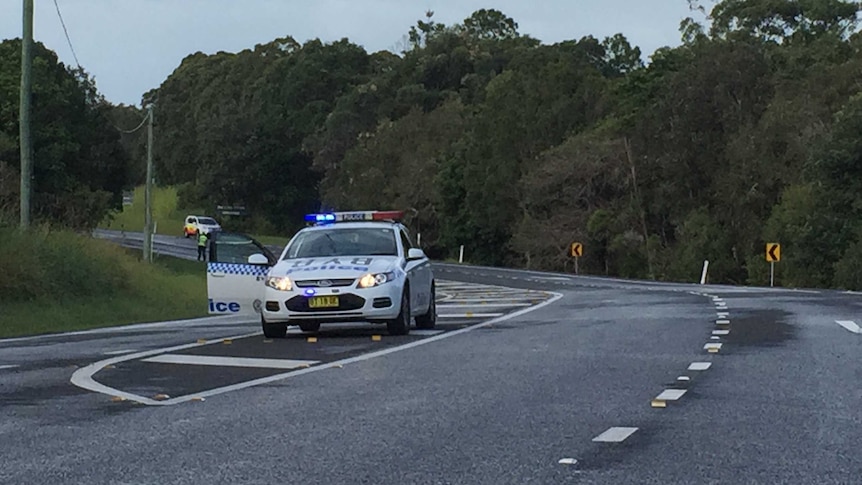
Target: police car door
[418, 271]
[234, 285]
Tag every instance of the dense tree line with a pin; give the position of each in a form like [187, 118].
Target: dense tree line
[80, 164]
[747, 133]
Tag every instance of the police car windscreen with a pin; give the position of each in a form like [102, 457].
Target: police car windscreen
[207, 221]
[343, 242]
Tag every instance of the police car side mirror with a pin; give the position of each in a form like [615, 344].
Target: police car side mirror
[415, 253]
[258, 259]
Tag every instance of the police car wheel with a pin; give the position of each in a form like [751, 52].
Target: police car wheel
[310, 327]
[273, 330]
[428, 320]
[400, 325]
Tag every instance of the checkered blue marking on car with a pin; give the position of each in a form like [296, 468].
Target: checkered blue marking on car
[237, 268]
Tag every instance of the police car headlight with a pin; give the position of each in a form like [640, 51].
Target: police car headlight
[371, 280]
[280, 283]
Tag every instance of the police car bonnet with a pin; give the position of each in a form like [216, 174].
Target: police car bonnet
[350, 265]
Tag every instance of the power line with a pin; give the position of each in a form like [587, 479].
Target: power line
[67, 34]
[146, 117]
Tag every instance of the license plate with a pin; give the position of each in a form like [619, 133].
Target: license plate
[323, 302]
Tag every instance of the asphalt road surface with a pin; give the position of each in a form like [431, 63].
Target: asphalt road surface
[533, 378]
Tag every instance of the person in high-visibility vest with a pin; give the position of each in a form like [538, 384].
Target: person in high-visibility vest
[202, 246]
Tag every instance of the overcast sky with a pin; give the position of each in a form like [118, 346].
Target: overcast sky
[131, 46]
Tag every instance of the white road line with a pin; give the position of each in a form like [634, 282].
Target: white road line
[194, 322]
[712, 346]
[84, 377]
[470, 315]
[722, 314]
[2, 367]
[721, 332]
[449, 304]
[118, 352]
[849, 325]
[463, 297]
[615, 435]
[229, 361]
[683, 378]
[722, 321]
[425, 333]
[568, 461]
[670, 394]
[700, 365]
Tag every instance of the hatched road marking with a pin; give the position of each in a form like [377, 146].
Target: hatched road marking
[670, 394]
[615, 435]
[84, 377]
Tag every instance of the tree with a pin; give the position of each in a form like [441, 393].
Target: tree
[80, 166]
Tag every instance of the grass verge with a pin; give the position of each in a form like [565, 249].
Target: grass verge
[60, 281]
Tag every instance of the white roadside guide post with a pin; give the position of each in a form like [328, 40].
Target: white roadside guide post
[461, 255]
[703, 274]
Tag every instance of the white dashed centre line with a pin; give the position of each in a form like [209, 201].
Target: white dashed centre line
[671, 394]
[720, 332]
[849, 325]
[723, 321]
[7, 367]
[614, 435]
[700, 365]
[228, 361]
[712, 346]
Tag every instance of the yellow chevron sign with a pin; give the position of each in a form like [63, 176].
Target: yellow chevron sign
[773, 252]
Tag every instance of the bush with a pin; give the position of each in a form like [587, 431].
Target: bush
[58, 264]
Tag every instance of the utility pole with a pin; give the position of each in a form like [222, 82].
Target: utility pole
[24, 113]
[148, 192]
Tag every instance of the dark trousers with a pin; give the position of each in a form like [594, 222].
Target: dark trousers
[202, 253]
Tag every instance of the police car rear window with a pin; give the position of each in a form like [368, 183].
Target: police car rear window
[343, 242]
[207, 221]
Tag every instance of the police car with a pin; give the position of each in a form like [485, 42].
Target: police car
[344, 267]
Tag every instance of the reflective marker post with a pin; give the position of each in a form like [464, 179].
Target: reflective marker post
[461, 255]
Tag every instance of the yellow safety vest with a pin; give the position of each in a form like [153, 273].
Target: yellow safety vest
[202, 240]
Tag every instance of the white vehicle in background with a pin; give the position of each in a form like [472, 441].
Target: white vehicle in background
[206, 225]
[345, 267]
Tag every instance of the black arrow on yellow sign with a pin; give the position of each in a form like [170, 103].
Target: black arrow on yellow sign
[773, 252]
[577, 250]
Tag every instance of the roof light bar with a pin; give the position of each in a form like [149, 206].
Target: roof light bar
[355, 216]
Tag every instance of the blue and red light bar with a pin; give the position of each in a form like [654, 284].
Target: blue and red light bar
[355, 216]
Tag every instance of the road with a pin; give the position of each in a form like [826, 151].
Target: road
[554, 379]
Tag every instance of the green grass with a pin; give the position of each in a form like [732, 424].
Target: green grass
[168, 218]
[56, 281]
